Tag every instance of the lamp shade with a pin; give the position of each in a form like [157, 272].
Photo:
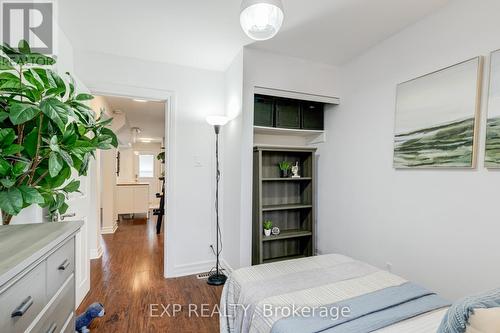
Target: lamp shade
[261, 19]
[217, 120]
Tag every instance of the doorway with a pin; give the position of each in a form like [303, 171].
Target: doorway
[131, 176]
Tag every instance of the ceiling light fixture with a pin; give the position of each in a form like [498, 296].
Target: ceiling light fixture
[261, 19]
[140, 100]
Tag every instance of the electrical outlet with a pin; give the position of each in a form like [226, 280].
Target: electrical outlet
[388, 266]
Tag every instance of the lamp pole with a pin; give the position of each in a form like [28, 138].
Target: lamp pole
[218, 278]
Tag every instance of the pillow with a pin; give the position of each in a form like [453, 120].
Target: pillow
[484, 321]
[457, 319]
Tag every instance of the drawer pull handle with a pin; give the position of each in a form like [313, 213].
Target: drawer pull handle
[52, 328]
[64, 265]
[21, 309]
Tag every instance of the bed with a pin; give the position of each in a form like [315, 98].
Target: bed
[252, 294]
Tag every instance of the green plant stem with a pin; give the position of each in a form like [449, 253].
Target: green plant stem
[37, 152]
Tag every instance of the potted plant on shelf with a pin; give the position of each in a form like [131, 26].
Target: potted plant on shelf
[268, 226]
[285, 168]
[47, 133]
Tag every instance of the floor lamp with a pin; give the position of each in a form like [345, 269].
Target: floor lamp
[217, 278]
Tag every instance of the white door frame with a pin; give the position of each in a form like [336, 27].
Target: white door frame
[120, 90]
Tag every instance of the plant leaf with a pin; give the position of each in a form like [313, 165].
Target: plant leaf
[21, 113]
[20, 167]
[24, 47]
[5, 64]
[11, 201]
[31, 195]
[73, 186]
[12, 150]
[53, 144]
[57, 85]
[30, 142]
[66, 157]
[3, 115]
[32, 77]
[63, 208]
[55, 164]
[7, 136]
[7, 182]
[84, 97]
[56, 111]
[112, 135]
[71, 85]
[4, 167]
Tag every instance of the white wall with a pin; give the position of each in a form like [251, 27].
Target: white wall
[437, 227]
[196, 94]
[267, 70]
[231, 164]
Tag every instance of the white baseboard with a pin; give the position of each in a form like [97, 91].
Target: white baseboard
[226, 266]
[109, 230]
[96, 253]
[199, 267]
[192, 269]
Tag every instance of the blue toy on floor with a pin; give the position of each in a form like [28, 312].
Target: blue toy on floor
[83, 321]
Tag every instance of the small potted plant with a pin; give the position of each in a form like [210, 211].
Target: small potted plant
[285, 168]
[268, 226]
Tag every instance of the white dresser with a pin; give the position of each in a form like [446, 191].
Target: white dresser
[37, 277]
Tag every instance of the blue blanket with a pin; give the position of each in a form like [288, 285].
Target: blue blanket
[368, 312]
[457, 317]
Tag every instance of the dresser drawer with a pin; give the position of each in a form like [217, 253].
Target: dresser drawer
[27, 296]
[60, 310]
[60, 265]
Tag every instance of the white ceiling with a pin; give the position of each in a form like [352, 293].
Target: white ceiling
[148, 116]
[207, 34]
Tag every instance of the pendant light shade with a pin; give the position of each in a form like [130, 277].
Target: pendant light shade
[261, 19]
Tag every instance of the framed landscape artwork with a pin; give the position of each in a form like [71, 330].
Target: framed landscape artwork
[436, 118]
[492, 154]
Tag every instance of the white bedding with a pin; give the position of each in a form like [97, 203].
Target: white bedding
[311, 282]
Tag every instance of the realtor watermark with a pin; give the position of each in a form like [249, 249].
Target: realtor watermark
[30, 21]
[267, 311]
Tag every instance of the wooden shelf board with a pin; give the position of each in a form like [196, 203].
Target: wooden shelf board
[266, 261]
[268, 208]
[286, 131]
[288, 234]
[289, 179]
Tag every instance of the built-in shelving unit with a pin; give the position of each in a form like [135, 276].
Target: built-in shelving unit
[288, 202]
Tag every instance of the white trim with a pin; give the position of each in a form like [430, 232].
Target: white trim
[96, 253]
[296, 95]
[193, 268]
[114, 89]
[226, 266]
[109, 230]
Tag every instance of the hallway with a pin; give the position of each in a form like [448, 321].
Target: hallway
[128, 278]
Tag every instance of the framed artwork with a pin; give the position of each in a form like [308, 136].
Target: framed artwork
[492, 153]
[437, 116]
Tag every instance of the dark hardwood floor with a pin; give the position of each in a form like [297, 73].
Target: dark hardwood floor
[128, 278]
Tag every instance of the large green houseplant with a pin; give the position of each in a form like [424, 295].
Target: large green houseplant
[46, 132]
